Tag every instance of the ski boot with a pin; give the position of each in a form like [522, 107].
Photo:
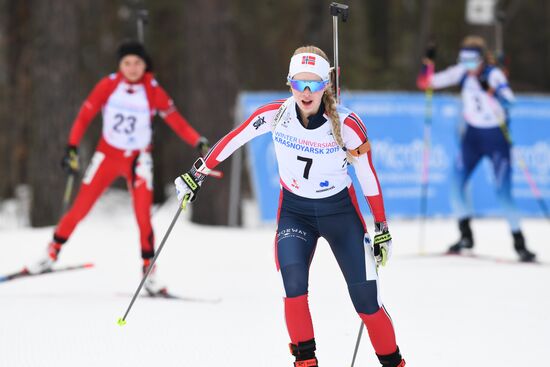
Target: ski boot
[392, 360]
[46, 263]
[304, 353]
[466, 241]
[519, 245]
[151, 284]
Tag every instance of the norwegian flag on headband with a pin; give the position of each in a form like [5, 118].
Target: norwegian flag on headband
[308, 60]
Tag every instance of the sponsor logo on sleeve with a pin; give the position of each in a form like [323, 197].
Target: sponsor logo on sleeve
[259, 122]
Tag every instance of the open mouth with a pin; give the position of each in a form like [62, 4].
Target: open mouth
[307, 103]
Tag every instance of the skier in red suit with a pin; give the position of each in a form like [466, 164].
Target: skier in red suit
[128, 101]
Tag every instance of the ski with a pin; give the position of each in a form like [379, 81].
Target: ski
[25, 273]
[174, 297]
[171, 296]
[481, 257]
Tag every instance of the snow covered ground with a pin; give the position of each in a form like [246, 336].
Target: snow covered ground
[448, 311]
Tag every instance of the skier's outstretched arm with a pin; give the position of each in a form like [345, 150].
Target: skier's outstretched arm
[259, 123]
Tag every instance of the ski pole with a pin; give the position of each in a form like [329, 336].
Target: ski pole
[142, 20]
[357, 344]
[68, 193]
[122, 320]
[337, 10]
[425, 169]
[530, 180]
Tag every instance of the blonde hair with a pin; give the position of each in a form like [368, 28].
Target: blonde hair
[329, 100]
[479, 42]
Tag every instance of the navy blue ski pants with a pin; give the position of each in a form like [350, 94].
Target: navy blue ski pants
[478, 143]
[302, 221]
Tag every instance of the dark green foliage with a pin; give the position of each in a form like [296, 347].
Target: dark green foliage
[204, 52]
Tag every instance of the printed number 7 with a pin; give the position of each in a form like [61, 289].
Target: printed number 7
[309, 162]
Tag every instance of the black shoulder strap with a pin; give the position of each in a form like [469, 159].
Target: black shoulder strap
[483, 77]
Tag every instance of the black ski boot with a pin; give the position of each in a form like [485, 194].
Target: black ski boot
[519, 245]
[304, 353]
[392, 360]
[466, 241]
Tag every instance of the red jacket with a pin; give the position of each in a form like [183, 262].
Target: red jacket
[159, 101]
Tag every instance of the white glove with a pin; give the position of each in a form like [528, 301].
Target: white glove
[382, 244]
[188, 184]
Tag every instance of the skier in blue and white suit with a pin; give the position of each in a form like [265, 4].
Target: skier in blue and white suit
[486, 96]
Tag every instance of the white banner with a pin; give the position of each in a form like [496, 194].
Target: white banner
[480, 11]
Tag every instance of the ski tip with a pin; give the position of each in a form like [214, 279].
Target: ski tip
[88, 265]
[121, 321]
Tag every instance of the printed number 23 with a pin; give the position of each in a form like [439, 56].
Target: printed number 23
[309, 162]
[129, 127]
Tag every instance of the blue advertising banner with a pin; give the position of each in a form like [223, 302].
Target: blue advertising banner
[395, 123]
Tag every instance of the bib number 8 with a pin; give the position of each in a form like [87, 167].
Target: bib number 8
[122, 127]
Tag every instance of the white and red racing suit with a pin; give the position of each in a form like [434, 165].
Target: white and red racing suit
[124, 148]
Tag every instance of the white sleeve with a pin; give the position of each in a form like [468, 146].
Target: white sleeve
[499, 83]
[354, 134]
[259, 123]
[448, 77]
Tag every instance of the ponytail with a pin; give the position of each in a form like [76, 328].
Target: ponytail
[331, 109]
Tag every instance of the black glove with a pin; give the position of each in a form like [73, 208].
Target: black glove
[69, 163]
[430, 52]
[203, 146]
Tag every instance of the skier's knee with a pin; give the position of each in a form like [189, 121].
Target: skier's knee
[295, 279]
[364, 296]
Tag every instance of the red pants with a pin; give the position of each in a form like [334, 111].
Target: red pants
[107, 164]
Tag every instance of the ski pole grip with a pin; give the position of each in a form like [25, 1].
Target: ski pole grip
[337, 9]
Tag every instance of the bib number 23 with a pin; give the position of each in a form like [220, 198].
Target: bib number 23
[124, 124]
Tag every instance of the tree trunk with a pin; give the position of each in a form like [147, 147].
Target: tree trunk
[15, 119]
[171, 155]
[211, 69]
[5, 153]
[53, 103]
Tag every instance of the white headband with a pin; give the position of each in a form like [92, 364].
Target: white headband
[469, 54]
[311, 63]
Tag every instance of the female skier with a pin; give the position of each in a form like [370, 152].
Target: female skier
[486, 97]
[128, 100]
[314, 141]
